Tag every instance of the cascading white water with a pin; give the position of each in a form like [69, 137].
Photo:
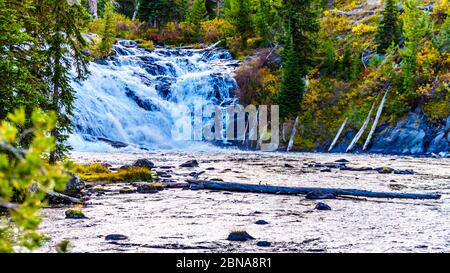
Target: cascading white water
[136, 96]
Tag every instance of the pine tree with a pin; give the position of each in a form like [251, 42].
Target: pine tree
[416, 27]
[198, 14]
[19, 87]
[389, 30]
[60, 31]
[292, 85]
[108, 35]
[300, 20]
[239, 13]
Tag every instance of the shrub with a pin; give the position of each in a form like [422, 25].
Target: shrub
[25, 177]
[98, 173]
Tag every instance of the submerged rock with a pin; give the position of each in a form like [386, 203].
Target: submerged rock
[190, 164]
[315, 195]
[263, 244]
[240, 236]
[261, 222]
[322, 206]
[116, 237]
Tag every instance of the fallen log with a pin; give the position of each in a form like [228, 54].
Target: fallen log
[239, 187]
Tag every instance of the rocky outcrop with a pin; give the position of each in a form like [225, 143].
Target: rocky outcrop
[414, 135]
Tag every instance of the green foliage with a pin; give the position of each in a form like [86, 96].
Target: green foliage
[108, 34]
[198, 14]
[292, 85]
[389, 30]
[239, 13]
[416, 27]
[25, 176]
[99, 173]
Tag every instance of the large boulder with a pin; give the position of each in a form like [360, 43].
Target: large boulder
[74, 187]
[144, 163]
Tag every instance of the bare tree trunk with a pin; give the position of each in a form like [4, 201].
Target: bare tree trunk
[338, 135]
[283, 132]
[361, 131]
[93, 8]
[377, 118]
[294, 131]
[136, 7]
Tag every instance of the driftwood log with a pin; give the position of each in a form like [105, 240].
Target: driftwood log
[239, 187]
[375, 122]
[336, 138]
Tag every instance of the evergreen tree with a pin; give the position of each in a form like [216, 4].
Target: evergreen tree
[19, 87]
[60, 33]
[292, 85]
[239, 13]
[389, 30]
[157, 12]
[198, 14]
[416, 26]
[109, 31]
[300, 22]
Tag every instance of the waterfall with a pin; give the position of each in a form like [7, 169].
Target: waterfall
[134, 98]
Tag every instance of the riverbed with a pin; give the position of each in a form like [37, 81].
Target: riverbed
[183, 220]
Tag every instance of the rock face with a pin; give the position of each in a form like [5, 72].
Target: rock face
[414, 135]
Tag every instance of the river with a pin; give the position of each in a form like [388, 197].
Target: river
[177, 220]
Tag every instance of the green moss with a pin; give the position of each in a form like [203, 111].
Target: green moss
[98, 173]
[74, 214]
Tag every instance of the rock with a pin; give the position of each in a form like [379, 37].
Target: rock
[150, 188]
[263, 244]
[74, 214]
[113, 143]
[322, 206]
[144, 163]
[384, 170]
[315, 195]
[86, 52]
[115, 237]
[261, 222]
[126, 190]
[444, 154]
[288, 165]
[327, 170]
[404, 172]
[342, 160]
[210, 169]
[190, 164]
[74, 187]
[240, 236]
[439, 144]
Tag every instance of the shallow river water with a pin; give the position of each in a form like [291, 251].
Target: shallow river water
[179, 220]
